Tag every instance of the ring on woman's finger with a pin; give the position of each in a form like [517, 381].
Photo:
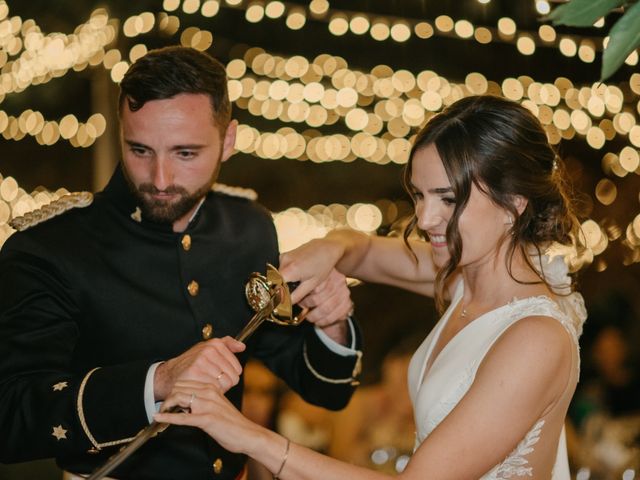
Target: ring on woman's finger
[193, 396]
[219, 376]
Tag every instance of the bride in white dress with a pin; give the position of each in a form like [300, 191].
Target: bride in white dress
[492, 382]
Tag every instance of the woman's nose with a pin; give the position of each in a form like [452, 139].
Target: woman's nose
[427, 215]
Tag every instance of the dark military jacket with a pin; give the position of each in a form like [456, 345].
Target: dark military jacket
[91, 298]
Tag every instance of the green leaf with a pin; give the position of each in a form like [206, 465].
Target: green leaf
[582, 13]
[624, 38]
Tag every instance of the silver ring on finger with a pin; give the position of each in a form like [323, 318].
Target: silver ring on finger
[193, 396]
[220, 375]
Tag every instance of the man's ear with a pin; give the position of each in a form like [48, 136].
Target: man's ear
[520, 203]
[229, 141]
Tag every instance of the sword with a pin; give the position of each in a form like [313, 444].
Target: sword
[270, 297]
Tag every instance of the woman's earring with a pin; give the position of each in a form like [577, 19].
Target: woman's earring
[509, 221]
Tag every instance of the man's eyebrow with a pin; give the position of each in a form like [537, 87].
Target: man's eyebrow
[189, 146]
[133, 143]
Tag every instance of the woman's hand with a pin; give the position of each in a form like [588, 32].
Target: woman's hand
[310, 264]
[212, 412]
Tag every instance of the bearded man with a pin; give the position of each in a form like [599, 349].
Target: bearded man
[104, 308]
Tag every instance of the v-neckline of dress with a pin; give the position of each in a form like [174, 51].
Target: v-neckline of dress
[427, 366]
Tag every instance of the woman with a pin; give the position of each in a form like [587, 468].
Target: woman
[492, 382]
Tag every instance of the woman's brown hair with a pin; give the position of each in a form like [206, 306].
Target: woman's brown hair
[500, 147]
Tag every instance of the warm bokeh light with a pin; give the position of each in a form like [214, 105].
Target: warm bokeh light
[190, 6]
[359, 25]
[170, 5]
[606, 191]
[547, 33]
[339, 25]
[464, 29]
[444, 23]
[400, 32]
[483, 35]
[378, 111]
[424, 30]
[526, 45]
[296, 19]
[506, 26]
[254, 13]
[210, 8]
[568, 47]
[319, 7]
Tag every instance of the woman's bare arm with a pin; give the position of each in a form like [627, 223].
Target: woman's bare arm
[385, 260]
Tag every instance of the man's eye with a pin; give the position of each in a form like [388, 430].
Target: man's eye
[185, 154]
[449, 200]
[138, 150]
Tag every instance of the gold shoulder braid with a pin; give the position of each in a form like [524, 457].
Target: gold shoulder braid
[64, 203]
[240, 192]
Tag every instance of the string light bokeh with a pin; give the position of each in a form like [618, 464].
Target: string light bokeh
[376, 111]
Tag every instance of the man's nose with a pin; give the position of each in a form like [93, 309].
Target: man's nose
[162, 174]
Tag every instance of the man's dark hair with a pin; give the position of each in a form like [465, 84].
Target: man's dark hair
[166, 72]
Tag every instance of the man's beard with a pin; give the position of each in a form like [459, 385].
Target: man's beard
[167, 211]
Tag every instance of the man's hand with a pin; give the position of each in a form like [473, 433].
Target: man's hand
[330, 305]
[213, 361]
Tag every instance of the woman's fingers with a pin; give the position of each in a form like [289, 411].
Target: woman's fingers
[186, 392]
[209, 410]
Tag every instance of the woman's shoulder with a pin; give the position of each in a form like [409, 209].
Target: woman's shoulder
[562, 310]
[535, 340]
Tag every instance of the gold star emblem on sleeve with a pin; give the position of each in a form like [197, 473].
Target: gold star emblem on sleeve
[58, 387]
[59, 432]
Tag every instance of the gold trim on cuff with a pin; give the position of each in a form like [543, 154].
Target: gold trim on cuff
[352, 380]
[96, 446]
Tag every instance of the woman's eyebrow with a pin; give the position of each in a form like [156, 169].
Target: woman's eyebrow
[440, 190]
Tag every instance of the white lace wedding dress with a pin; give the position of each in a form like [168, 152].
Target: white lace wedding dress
[453, 371]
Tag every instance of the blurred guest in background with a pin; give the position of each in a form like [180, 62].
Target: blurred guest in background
[377, 429]
[606, 407]
[260, 403]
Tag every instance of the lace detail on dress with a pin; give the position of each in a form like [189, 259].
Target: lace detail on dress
[543, 305]
[515, 465]
[556, 273]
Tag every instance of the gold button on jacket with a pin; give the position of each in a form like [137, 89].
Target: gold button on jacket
[186, 242]
[193, 288]
[217, 466]
[207, 331]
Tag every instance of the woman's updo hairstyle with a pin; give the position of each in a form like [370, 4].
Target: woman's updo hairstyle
[500, 147]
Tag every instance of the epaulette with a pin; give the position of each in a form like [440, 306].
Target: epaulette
[241, 192]
[53, 209]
